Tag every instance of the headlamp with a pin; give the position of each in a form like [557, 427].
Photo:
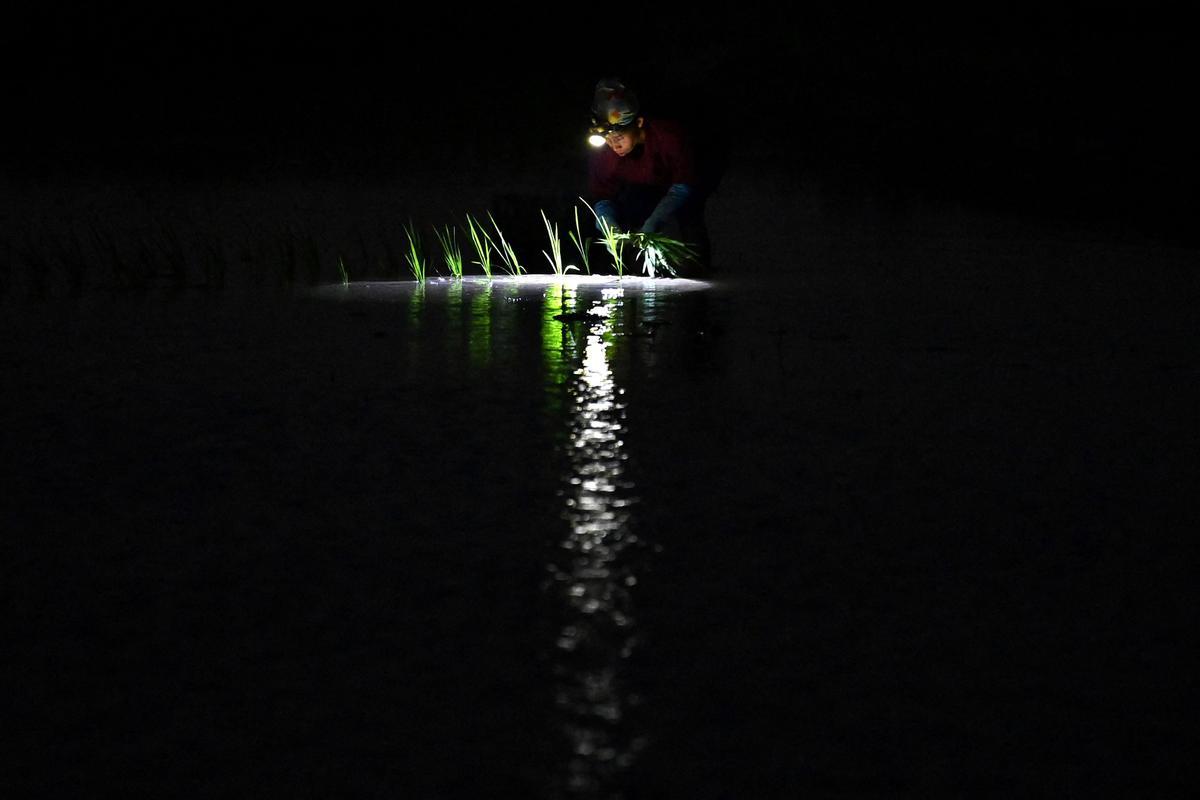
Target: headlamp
[596, 133]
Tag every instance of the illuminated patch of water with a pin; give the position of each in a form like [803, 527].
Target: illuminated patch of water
[594, 579]
[526, 285]
[568, 330]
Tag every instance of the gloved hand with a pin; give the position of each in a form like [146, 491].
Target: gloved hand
[654, 223]
[670, 203]
[606, 212]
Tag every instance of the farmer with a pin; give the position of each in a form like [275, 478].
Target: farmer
[642, 175]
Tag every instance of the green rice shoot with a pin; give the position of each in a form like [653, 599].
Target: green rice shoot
[555, 255]
[482, 244]
[614, 240]
[451, 253]
[508, 256]
[582, 244]
[414, 256]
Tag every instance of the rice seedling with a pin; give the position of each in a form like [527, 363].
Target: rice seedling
[555, 254]
[341, 264]
[581, 243]
[658, 253]
[414, 256]
[614, 240]
[508, 256]
[482, 244]
[451, 253]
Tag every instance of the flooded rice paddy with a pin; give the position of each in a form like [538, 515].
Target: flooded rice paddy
[843, 530]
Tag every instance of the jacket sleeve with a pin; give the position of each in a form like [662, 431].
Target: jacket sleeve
[606, 212]
[680, 168]
[667, 207]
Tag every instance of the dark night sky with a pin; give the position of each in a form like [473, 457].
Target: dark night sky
[981, 102]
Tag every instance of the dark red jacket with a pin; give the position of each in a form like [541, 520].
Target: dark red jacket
[665, 158]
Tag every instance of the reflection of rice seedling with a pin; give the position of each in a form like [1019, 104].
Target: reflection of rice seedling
[508, 256]
[482, 244]
[452, 254]
[414, 257]
[555, 254]
[581, 243]
[342, 271]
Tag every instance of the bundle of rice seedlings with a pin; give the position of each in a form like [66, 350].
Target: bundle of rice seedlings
[660, 254]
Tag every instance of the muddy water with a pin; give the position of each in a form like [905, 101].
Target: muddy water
[859, 531]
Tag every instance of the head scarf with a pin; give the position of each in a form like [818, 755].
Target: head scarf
[614, 104]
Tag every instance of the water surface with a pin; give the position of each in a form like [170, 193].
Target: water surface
[903, 518]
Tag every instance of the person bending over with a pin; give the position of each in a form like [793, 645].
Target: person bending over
[642, 175]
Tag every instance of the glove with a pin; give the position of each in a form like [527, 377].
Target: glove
[670, 203]
[607, 212]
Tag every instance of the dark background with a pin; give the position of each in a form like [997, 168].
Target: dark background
[1071, 116]
[961, 453]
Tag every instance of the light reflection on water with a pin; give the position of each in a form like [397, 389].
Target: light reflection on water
[597, 560]
[593, 580]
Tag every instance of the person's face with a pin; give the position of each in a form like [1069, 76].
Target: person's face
[622, 142]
